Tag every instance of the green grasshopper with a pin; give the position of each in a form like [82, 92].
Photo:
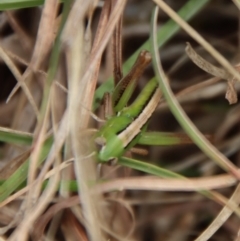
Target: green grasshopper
[127, 128]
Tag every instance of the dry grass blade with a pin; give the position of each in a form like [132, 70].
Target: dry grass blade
[45, 37]
[237, 3]
[205, 65]
[157, 184]
[194, 34]
[24, 227]
[124, 206]
[84, 169]
[60, 136]
[82, 94]
[45, 218]
[19, 78]
[25, 39]
[41, 128]
[43, 121]
[196, 87]
[231, 94]
[33, 211]
[221, 218]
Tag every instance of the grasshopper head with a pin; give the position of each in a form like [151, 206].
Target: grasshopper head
[109, 149]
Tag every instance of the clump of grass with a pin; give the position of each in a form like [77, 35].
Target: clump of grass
[49, 175]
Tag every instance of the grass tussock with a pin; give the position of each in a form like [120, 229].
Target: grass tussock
[57, 60]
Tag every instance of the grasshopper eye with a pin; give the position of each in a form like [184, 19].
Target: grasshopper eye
[100, 143]
[113, 162]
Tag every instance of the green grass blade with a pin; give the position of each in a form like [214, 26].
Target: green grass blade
[162, 139]
[180, 115]
[191, 8]
[20, 175]
[16, 4]
[15, 137]
[164, 173]
[147, 168]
